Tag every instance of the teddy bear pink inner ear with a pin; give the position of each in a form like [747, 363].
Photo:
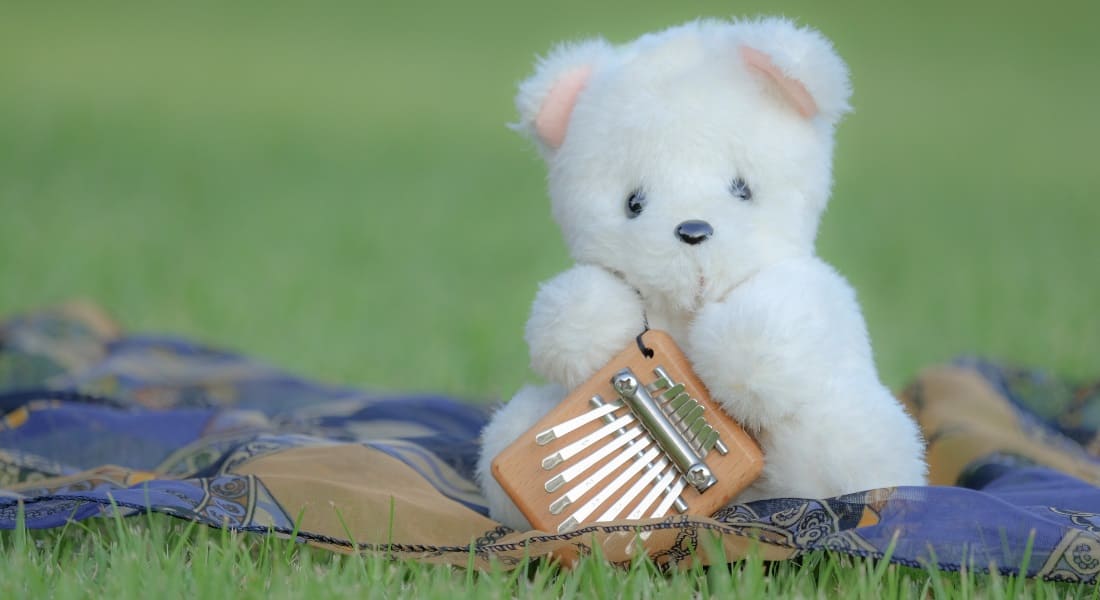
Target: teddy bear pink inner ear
[553, 117]
[791, 88]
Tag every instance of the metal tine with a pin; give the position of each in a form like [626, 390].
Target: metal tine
[670, 497]
[647, 479]
[684, 404]
[672, 392]
[578, 491]
[700, 429]
[697, 426]
[658, 385]
[575, 470]
[580, 445]
[680, 505]
[662, 486]
[692, 426]
[663, 377]
[691, 432]
[567, 525]
[707, 439]
[698, 438]
[695, 413]
[673, 398]
[707, 442]
[616, 484]
[577, 422]
[680, 399]
[678, 403]
[677, 408]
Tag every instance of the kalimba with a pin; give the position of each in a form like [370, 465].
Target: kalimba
[618, 447]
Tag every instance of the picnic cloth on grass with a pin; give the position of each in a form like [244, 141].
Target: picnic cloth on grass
[97, 423]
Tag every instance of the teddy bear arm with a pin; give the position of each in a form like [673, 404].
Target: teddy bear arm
[766, 350]
[579, 321]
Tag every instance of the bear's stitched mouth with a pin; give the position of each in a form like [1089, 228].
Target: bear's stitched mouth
[700, 292]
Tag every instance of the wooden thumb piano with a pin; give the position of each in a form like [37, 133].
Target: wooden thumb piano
[640, 439]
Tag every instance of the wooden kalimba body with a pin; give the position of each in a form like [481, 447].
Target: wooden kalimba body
[620, 448]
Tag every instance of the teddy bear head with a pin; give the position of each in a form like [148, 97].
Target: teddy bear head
[688, 159]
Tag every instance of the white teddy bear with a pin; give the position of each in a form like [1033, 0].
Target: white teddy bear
[688, 171]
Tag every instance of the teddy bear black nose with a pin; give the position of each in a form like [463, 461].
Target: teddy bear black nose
[693, 232]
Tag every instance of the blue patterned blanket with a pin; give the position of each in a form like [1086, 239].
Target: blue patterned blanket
[94, 422]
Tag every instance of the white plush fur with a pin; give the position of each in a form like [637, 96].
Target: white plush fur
[775, 333]
[528, 406]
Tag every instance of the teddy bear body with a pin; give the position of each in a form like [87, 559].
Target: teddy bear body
[688, 172]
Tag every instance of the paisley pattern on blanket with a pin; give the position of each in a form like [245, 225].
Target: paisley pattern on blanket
[94, 422]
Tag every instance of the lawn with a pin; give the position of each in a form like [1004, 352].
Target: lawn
[331, 187]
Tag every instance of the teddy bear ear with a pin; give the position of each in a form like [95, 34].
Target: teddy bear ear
[546, 99]
[801, 64]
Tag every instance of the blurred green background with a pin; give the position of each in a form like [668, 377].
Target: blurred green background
[330, 185]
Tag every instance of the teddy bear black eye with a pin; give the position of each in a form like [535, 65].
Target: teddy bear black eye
[635, 203]
[740, 189]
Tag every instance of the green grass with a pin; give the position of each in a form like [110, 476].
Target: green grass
[158, 557]
[330, 186]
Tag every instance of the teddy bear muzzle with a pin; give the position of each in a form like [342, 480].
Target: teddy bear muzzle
[694, 231]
